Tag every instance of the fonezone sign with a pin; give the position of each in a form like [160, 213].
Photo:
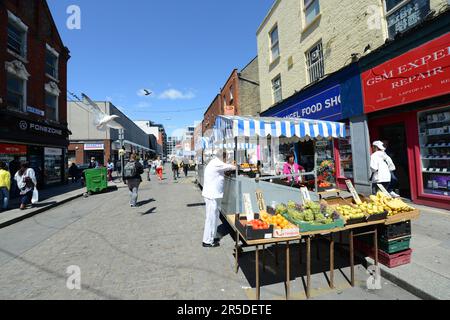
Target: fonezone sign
[23, 125]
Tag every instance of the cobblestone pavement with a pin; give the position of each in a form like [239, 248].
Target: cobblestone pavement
[150, 252]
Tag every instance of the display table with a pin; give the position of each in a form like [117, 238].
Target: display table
[326, 234]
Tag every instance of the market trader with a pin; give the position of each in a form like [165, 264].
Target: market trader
[213, 192]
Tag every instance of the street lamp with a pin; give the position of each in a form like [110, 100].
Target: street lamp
[122, 152]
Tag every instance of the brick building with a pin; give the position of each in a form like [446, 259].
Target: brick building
[33, 86]
[239, 95]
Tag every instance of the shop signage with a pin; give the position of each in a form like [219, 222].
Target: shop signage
[14, 149]
[419, 74]
[53, 152]
[407, 16]
[94, 146]
[35, 111]
[322, 106]
[38, 128]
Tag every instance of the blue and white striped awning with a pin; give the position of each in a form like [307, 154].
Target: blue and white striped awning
[235, 126]
[240, 146]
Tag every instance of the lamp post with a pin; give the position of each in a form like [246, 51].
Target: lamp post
[122, 152]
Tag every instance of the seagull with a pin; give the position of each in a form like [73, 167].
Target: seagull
[101, 119]
[146, 92]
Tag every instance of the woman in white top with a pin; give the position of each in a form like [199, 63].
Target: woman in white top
[26, 182]
[381, 166]
[159, 168]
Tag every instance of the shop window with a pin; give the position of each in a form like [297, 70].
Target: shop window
[402, 15]
[15, 95]
[346, 158]
[51, 63]
[17, 36]
[274, 44]
[315, 63]
[312, 10]
[276, 88]
[51, 106]
[434, 137]
[326, 170]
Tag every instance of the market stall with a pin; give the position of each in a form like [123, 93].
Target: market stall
[292, 214]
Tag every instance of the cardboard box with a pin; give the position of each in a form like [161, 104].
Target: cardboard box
[293, 231]
[248, 232]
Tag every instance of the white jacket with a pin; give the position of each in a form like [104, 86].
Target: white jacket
[381, 165]
[214, 178]
[21, 183]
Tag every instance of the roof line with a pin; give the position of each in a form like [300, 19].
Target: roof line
[267, 17]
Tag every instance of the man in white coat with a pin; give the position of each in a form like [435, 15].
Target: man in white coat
[381, 165]
[213, 192]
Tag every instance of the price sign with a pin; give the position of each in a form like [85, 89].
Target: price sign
[248, 209]
[383, 189]
[260, 199]
[352, 190]
[304, 193]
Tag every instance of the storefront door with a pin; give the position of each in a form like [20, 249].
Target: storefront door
[394, 138]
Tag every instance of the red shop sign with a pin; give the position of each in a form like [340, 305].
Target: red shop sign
[416, 75]
[15, 149]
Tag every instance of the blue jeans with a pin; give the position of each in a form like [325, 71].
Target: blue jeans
[25, 199]
[4, 197]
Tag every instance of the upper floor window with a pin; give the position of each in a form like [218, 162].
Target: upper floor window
[402, 15]
[276, 88]
[274, 44]
[51, 106]
[231, 95]
[315, 63]
[51, 62]
[17, 35]
[15, 92]
[312, 10]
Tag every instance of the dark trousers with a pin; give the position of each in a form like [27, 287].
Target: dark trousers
[375, 187]
[25, 199]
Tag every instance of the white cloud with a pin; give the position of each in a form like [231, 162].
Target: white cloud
[174, 94]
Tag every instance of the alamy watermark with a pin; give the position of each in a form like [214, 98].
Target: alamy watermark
[74, 280]
[74, 19]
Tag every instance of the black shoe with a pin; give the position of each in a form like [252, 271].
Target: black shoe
[215, 244]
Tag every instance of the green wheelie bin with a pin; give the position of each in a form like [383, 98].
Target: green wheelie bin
[96, 180]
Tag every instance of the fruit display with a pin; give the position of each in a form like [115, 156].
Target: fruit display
[350, 212]
[278, 221]
[310, 212]
[258, 224]
[391, 205]
[324, 184]
[371, 208]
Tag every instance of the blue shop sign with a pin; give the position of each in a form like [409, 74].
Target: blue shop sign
[326, 105]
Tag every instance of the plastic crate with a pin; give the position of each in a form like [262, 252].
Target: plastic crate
[396, 230]
[96, 179]
[396, 259]
[394, 246]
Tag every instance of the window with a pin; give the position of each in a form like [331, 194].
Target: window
[312, 10]
[51, 63]
[402, 15]
[17, 35]
[276, 87]
[51, 106]
[231, 95]
[315, 63]
[274, 44]
[15, 96]
[224, 100]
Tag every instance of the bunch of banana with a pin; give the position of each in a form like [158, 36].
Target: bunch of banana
[372, 207]
[392, 206]
[349, 212]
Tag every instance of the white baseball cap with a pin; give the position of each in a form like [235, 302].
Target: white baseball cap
[379, 145]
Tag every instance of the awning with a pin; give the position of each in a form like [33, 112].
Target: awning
[235, 126]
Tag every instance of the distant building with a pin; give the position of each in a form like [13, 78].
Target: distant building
[87, 141]
[157, 136]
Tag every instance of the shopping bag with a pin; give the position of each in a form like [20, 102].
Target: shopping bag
[35, 198]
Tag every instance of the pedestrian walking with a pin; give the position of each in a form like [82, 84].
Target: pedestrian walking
[110, 168]
[14, 166]
[159, 168]
[5, 185]
[175, 168]
[381, 166]
[26, 182]
[132, 175]
[93, 164]
[212, 192]
[73, 172]
[185, 165]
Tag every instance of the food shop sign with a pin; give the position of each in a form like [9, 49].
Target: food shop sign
[13, 149]
[419, 74]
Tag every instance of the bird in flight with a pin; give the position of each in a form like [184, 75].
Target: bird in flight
[101, 119]
[147, 92]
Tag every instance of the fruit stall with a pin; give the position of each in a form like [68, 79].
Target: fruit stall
[373, 225]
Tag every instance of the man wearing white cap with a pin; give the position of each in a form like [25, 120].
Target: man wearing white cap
[212, 192]
[381, 165]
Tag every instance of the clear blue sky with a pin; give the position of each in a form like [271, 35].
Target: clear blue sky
[182, 50]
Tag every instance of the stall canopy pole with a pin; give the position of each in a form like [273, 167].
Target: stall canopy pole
[315, 166]
[236, 188]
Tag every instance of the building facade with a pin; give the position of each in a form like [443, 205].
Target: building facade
[33, 86]
[157, 136]
[300, 42]
[87, 141]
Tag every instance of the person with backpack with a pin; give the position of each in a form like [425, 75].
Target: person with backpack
[26, 182]
[175, 168]
[132, 175]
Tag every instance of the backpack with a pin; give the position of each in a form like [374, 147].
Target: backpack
[130, 170]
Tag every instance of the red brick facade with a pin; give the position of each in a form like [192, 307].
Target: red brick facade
[41, 31]
[215, 109]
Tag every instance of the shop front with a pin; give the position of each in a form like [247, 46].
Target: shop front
[407, 100]
[43, 146]
[336, 98]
